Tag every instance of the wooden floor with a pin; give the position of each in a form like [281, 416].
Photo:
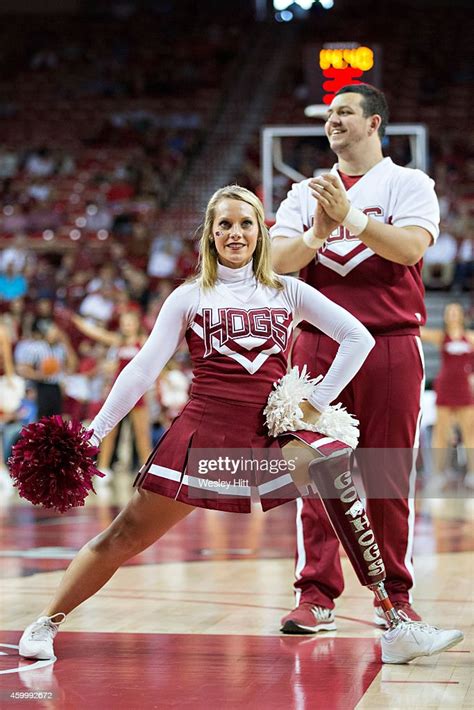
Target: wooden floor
[194, 621]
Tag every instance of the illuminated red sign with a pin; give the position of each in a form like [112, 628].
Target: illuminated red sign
[337, 79]
[340, 64]
[343, 66]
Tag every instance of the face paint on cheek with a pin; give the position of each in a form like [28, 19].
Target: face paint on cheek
[218, 234]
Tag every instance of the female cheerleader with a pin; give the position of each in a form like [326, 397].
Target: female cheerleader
[237, 317]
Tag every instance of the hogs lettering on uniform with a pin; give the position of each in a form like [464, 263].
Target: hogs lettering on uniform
[235, 323]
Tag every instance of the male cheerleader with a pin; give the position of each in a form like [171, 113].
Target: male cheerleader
[358, 235]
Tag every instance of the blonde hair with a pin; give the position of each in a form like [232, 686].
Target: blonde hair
[208, 258]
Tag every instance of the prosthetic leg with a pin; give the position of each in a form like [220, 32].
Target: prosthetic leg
[332, 477]
[325, 467]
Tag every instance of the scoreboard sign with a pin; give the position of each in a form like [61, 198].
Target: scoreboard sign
[332, 65]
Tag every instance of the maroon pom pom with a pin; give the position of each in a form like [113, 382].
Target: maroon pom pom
[52, 463]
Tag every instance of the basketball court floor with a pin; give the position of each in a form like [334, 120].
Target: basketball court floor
[193, 622]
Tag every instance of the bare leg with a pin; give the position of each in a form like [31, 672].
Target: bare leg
[141, 429]
[146, 518]
[465, 417]
[441, 432]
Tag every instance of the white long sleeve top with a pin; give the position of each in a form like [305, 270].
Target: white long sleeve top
[239, 334]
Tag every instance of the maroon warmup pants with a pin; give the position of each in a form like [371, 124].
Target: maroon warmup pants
[385, 396]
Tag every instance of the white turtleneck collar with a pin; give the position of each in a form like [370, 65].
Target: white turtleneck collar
[244, 273]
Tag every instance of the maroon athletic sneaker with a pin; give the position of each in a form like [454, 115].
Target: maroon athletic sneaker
[308, 618]
[379, 616]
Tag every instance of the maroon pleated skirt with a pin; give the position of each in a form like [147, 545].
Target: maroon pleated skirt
[217, 454]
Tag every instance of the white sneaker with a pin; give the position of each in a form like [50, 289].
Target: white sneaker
[37, 639]
[411, 639]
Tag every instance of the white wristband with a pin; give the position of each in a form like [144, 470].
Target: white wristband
[355, 221]
[311, 241]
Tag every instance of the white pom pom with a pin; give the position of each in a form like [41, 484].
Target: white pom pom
[338, 423]
[283, 413]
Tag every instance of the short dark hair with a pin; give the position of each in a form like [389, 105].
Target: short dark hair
[373, 102]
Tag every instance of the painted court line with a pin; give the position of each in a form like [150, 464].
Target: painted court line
[431, 682]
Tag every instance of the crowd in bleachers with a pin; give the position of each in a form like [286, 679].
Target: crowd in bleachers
[71, 372]
[99, 121]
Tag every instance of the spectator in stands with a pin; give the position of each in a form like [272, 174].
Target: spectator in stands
[38, 190]
[8, 162]
[98, 215]
[439, 261]
[163, 258]
[65, 162]
[64, 274]
[82, 389]
[123, 345]
[11, 390]
[123, 304]
[44, 312]
[137, 283]
[40, 163]
[464, 271]
[13, 284]
[107, 275]
[45, 359]
[100, 304]
[42, 282]
[16, 320]
[76, 289]
[152, 310]
[171, 392]
[17, 254]
[25, 413]
[6, 358]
